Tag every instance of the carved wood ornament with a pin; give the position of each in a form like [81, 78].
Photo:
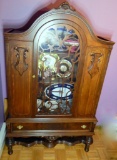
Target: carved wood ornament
[93, 69]
[49, 142]
[20, 64]
[66, 6]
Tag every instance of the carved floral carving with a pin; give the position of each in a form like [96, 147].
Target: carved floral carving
[20, 64]
[93, 69]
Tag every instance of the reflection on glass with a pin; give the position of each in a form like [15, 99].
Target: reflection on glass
[59, 51]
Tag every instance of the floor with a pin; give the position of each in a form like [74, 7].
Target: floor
[101, 149]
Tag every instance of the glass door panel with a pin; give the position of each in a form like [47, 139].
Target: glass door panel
[58, 56]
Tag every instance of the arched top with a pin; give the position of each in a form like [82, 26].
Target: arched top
[63, 12]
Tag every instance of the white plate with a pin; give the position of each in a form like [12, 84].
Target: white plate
[59, 91]
[65, 68]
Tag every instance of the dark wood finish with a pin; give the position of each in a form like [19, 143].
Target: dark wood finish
[48, 126]
[10, 144]
[51, 120]
[50, 141]
[19, 77]
[87, 58]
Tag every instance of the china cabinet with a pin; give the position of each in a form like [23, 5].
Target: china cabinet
[55, 70]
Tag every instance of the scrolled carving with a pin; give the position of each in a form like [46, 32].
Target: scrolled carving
[20, 64]
[93, 69]
[50, 141]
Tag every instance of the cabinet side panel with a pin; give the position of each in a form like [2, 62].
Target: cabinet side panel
[19, 73]
[92, 80]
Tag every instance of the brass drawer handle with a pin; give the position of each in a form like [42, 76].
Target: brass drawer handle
[83, 126]
[19, 127]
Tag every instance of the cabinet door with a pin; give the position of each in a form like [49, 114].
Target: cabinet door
[92, 79]
[19, 74]
[58, 51]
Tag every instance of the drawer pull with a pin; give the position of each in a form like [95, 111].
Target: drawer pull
[83, 126]
[19, 127]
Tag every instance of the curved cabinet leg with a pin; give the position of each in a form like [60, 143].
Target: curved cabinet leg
[10, 144]
[89, 141]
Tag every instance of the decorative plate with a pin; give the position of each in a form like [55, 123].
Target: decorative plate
[59, 91]
[74, 43]
[65, 68]
[47, 61]
[57, 38]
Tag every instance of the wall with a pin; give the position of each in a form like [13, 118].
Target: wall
[1, 103]
[101, 15]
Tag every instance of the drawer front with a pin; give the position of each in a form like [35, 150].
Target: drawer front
[51, 126]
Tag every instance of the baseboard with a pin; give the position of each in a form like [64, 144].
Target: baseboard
[2, 137]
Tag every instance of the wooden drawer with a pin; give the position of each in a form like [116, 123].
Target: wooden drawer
[52, 126]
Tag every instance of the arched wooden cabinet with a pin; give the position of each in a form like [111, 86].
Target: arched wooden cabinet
[55, 71]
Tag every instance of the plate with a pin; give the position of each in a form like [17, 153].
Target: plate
[59, 91]
[57, 38]
[47, 61]
[65, 68]
[51, 39]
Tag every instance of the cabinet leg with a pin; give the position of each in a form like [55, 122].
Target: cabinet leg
[10, 144]
[89, 141]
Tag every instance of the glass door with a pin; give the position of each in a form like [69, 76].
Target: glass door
[58, 57]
